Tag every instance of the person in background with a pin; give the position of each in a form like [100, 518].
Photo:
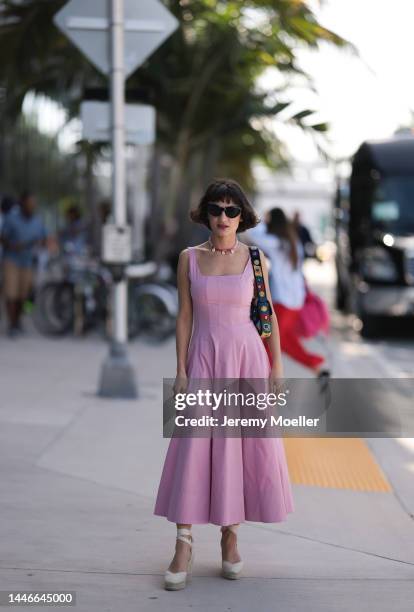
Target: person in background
[278, 240]
[8, 206]
[104, 216]
[21, 233]
[74, 236]
[309, 247]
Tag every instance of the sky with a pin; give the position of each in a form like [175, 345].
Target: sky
[365, 97]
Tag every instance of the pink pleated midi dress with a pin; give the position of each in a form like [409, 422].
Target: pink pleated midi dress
[224, 480]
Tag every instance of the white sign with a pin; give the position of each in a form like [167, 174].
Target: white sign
[86, 23]
[116, 244]
[139, 122]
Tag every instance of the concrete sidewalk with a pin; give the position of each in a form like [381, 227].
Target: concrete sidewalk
[79, 476]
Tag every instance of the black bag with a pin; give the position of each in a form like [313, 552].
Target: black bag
[260, 309]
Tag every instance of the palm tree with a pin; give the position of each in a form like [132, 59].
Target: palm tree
[31, 159]
[211, 119]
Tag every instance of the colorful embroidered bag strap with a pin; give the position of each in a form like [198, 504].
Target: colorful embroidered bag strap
[261, 309]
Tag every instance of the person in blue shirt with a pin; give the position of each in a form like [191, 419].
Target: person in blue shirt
[74, 236]
[7, 207]
[21, 234]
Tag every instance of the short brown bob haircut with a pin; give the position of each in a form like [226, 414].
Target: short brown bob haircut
[225, 190]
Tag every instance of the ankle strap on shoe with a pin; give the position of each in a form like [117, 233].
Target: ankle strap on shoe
[182, 535]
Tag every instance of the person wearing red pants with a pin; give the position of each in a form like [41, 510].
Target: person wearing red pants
[289, 340]
[278, 240]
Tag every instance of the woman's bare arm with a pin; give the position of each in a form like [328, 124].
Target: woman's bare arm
[273, 341]
[184, 323]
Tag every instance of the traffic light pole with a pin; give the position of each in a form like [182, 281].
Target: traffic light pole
[117, 376]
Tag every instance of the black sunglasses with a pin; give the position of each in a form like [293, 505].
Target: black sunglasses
[230, 211]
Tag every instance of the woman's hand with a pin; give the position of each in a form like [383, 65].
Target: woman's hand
[180, 383]
[276, 379]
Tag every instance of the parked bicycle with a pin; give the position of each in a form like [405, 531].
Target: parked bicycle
[75, 297]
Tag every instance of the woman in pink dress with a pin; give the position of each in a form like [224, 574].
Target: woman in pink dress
[221, 480]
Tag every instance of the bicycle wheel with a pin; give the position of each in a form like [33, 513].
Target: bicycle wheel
[54, 308]
[155, 308]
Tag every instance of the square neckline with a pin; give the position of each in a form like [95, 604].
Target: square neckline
[218, 275]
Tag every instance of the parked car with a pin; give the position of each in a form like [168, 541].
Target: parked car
[374, 221]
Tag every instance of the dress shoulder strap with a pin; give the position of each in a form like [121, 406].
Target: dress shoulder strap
[191, 261]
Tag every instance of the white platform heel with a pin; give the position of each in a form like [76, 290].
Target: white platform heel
[175, 581]
[231, 571]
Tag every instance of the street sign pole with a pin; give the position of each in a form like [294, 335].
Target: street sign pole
[117, 376]
[117, 36]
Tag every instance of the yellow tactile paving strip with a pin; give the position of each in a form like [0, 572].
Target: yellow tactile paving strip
[339, 463]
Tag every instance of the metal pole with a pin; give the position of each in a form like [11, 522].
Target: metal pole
[117, 376]
[118, 153]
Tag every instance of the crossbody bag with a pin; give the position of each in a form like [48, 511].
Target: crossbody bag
[261, 309]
